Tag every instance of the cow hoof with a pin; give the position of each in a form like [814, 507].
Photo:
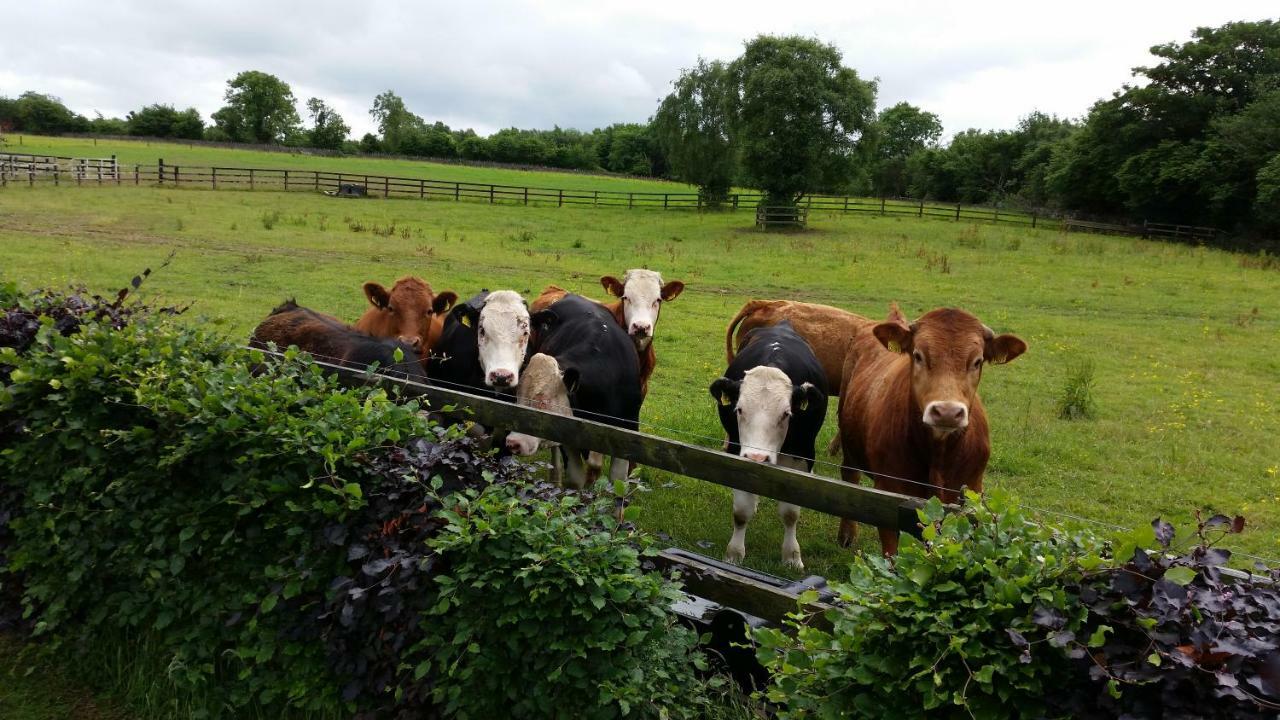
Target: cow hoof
[734, 555]
[794, 563]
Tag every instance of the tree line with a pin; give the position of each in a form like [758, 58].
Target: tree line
[1194, 139]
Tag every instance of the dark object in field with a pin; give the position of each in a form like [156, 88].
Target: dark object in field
[349, 190]
[330, 340]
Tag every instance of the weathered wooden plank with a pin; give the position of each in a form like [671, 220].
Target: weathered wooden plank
[814, 492]
[738, 591]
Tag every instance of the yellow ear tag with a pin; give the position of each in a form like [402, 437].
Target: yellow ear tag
[895, 346]
[804, 404]
[466, 320]
[724, 398]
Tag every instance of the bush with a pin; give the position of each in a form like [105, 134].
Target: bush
[1076, 400]
[278, 541]
[545, 613]
[1177, 635]
[962, 625]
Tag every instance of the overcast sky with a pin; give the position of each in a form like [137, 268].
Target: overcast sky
[489, 65]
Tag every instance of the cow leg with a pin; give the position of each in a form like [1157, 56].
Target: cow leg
[744, 508]
[595, 464]
[889, 541]
[557, 464]
[576, 470]
[790, 515]
[619, 469]
[848, 534]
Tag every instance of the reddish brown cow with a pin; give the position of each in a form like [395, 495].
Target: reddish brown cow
[828, 330]
[330, 340]
[640, 296]
[909, 406]
[409, 311]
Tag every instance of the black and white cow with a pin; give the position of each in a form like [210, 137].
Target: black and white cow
[772, 401]
[482, 344]
[582, 362]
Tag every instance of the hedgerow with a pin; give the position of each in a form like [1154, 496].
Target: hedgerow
[276, 535]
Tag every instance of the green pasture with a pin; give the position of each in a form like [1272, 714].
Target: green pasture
[1185, 340]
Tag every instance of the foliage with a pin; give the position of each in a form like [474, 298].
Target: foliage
[963, 624]
[395, 122]
[904, 130]
[545, 612]
[693, 127]
[34, 112]
[260, 109]
[629, 148]
[164, 121]
[1076, 399]
[1175, 635]
[802, 121]
[327, 127]
[108, 125]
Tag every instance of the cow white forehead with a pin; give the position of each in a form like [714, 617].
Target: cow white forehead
[641, 281]
[765, 388]
[504, 303]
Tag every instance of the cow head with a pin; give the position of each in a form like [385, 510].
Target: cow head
[405, 311]
[545, 386]
[947, 349]
[502, 333]
[763, 403]
[642, 293]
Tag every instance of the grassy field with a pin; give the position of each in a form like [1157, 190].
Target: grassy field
[38, 689]
[1185, 341]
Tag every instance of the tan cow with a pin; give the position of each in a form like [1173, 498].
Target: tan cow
[909, 406]
[828, 330]
[409, 311]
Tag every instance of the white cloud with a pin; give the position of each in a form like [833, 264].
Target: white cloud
[495, 63]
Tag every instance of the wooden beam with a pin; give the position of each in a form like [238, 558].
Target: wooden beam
[814, 492]
[739, 591]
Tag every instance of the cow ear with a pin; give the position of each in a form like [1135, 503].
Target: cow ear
[378, 295]
[443, 302]
[804, 395]
[1004, 348]
[543, 319]
[672, 290]
[466, 315]
[725, 391]
[570, 376]
[612, 285]
[895, 336]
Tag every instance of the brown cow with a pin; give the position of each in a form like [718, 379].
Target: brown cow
[330, 340]
[409, 311]
[640, 296]
[909, 406]
[828, 330]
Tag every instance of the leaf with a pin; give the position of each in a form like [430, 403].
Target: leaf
[1099, 636]
[1163, 531]
[1180, 575]
[1018, 639]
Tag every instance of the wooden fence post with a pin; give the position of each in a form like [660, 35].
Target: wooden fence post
[665, 198]
[995, 218]
[595, 198]
[175, 176]
[561, 202]
[137, 174]
[422, 189]
[386, 186]
[526, 196]
[490, 194]
[1033, 221]
[286, 179]
[250, 178]
[882, 205]
[457, 192]
[214, 181]
[317, 180]
[957, 212]
[921, 213]
[735, 202]
[160, 171]
[55, 174]
[630, 200]
[99, 164]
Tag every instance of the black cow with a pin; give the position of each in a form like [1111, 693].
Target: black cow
[581, 362]
[330, 340]
[772, 401]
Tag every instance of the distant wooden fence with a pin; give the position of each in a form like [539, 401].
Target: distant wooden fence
[30, 169]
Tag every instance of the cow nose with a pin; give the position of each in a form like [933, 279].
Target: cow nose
[413, 341]
[756, 456]
[947, 414]
[501, 378]
[641, 330]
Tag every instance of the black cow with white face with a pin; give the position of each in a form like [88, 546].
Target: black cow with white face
[772, 401]
[482, 344]
[581, 362]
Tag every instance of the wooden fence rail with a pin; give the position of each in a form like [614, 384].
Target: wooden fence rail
[30, 169]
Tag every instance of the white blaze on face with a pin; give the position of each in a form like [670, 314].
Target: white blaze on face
[641, 302]
[541, 387]
[764, 413]
[502, 337]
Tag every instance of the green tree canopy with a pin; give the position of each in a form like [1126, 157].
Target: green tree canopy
[802, 121]
[165, 121]
[260, 109]
[35, 112]
[904, 130]
[395, 122]
[692, 127]
[327, 127]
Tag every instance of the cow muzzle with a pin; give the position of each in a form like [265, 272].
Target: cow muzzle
[500, 378]
[759, 456]
[946, 415]
[521, 444]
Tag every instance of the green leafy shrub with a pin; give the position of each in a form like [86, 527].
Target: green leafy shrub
[545, 613]
[962, 625]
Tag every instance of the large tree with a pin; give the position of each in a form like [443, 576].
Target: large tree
[165, 121]
[34, 112]
[692, 127]
[327, 127]
[260, 108]
[802, 122]
[904, 130]
[395, 122]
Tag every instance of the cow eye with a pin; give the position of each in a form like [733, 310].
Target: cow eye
[739, 411]
[918, 356]
[786, 414]
[977, 363]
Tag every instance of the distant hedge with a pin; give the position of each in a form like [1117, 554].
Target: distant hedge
[282, 540]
